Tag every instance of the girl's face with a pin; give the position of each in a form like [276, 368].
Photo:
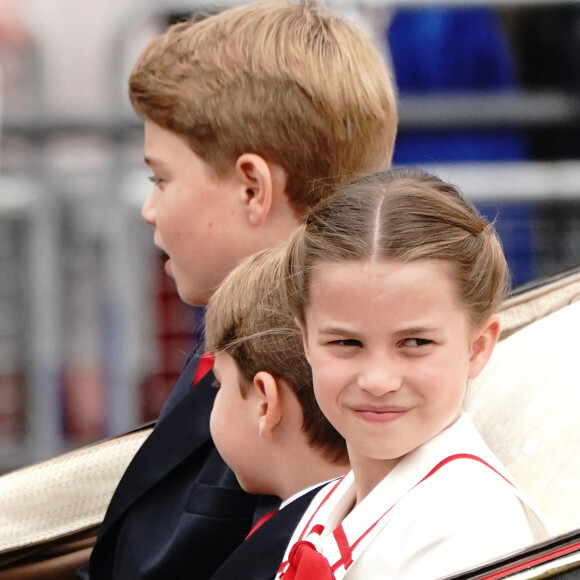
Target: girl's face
[391, 349]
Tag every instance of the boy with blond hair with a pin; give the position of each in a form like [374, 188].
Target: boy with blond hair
[252, 116]
[265, 422]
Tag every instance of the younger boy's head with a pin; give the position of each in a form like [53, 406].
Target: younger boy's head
[252, 116]
[251, 331]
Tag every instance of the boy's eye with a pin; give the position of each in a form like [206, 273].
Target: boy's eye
[155, 180]
[416, 342]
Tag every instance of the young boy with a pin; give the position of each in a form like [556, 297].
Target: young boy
[265, 421]
[251, 117]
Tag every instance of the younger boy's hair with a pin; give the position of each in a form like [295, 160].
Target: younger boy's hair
[248, 317]
[291, 82]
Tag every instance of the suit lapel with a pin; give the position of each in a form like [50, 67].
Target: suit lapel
[181, 432]
[260, 555]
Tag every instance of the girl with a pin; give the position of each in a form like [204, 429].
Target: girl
[395, 283]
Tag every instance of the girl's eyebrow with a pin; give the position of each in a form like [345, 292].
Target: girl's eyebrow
[407, 331]
[417, 330]
[337, 330]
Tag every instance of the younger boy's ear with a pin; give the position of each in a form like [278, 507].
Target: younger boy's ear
[270, 403]
[262, 181]
[484, 341]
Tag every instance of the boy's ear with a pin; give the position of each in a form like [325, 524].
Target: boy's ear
[270, 403]
[484, 341]
[263, 181]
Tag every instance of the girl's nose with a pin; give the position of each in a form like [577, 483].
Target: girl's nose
[380, 376]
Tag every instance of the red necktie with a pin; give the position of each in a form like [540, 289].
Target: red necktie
[204, 366]
[261, 521]
[306, 563]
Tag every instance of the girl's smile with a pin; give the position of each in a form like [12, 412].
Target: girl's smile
[380, 414]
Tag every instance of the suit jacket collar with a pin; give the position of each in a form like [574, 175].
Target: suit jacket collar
[260, 555]
[186, 426]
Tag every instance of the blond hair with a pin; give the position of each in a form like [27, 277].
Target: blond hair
[290, 82]
[248, 317]
[402, 215]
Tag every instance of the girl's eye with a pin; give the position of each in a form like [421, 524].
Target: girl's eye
[216, 384]
[347, 342]
[155, 180]
[416, 342]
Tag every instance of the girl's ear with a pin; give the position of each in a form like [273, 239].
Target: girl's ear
[270, 403]
[484, 341]
[262, 182]
[302, 328]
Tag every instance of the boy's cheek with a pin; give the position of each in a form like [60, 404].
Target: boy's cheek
[214, 419]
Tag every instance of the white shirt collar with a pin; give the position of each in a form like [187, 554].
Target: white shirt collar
[304, 492]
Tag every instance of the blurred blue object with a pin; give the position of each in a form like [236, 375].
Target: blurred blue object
[462, 50]
[451, 50]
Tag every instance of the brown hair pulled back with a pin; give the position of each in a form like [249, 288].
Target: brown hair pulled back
[402, 215]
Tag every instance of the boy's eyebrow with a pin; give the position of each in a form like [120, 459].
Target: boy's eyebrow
[151, 161]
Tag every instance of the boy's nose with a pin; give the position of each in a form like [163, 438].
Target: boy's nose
[148, 210]
[380, 377]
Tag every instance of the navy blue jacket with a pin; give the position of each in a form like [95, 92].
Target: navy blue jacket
[259, 557]
[178, 511]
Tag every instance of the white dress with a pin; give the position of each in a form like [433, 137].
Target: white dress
[447, 506]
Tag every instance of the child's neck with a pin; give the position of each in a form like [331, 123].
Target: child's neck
[368, 473]
[305, 469]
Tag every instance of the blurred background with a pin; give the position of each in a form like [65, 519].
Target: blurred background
[92, 333]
